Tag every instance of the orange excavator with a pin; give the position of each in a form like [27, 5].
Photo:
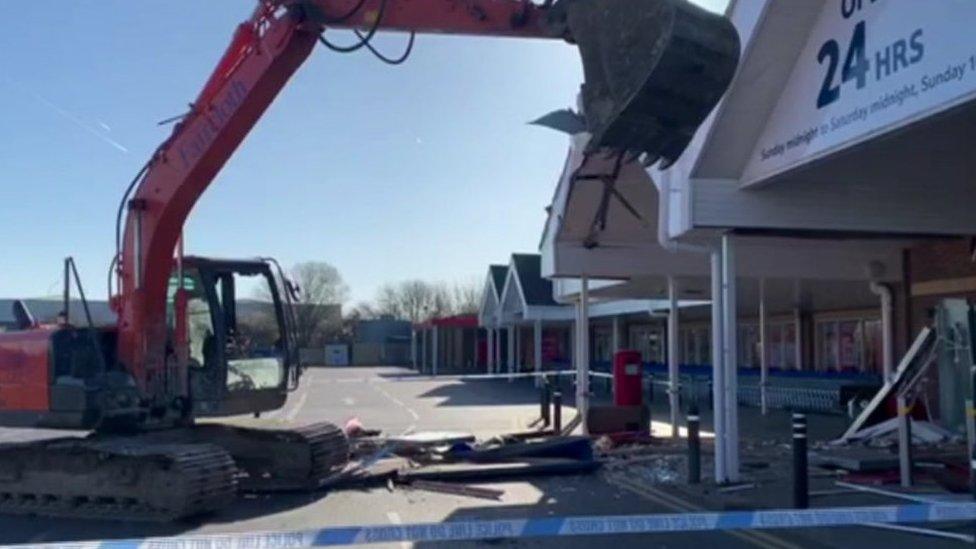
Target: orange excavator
[187, 346]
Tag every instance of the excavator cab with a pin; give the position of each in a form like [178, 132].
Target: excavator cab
[242, 358]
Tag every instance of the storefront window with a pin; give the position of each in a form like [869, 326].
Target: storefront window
[696, 345]
[601, 345]
[703, 339]
[554, 347]
[827, 346]
[849, 345]
[748, 346]
[872, 346]
[789, 346]
[775, 346]
[688, 348]
[649, 341]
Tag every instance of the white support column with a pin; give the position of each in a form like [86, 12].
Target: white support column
[887, 329]
[491, 350]
[498, 349]
[436, 351]
[475, 348]
[423, 345]
[615, 340]
[518, 348]
[673, 379]
[730, 360]
[718, 371]
[573, 351]
[583, 353]
[511, 350]
[537, 350]
[413, 348]
[763, 362]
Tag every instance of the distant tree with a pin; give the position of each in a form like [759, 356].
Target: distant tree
[260, 328]
[466, 297]
[363, 310]
[321, 293]
[419, 300]
[413, 300]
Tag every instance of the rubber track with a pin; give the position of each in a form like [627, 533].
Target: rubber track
[197, 478]
[329, 449]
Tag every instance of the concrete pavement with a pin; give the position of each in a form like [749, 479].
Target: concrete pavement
[380, 400]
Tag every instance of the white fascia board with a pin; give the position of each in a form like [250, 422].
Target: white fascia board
[622, 264]
[567, 290]
[621, 307]
[549, 312]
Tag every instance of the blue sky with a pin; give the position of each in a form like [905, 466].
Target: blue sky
[427, 170]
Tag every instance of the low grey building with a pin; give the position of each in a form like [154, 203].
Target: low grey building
[384, 340]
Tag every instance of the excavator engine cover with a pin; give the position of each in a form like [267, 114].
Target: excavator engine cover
[653, 69]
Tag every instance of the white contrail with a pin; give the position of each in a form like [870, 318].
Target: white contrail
[71, 117]
[79, 122]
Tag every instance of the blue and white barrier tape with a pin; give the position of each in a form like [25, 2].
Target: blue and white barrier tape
[555, 526]
[501, 375]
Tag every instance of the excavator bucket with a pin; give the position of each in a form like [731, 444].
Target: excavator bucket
[653, 69]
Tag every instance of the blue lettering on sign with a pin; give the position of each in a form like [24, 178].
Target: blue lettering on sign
[214, 117]
[850, 7]
[888, 59]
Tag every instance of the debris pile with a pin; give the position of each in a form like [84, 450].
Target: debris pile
[651, 468]
[441, 461]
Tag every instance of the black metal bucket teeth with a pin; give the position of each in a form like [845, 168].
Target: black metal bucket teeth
[654, 70]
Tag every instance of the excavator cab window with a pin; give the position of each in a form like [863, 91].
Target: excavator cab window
[200, 325]
[253, 344]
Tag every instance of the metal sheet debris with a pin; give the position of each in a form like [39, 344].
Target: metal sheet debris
[494, 471]
[457, 489]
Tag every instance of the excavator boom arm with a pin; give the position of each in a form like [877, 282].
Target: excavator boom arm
[264, 53]
[653, 70]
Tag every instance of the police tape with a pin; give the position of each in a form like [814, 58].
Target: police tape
[505, 375]
[488, 377]
[553, 527]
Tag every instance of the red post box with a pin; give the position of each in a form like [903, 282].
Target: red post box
[627, 388]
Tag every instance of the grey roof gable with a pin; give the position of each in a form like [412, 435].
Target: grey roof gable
[498, 274]
[537, 290]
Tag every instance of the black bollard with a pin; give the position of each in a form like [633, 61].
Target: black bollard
[544, 403]
[557, 412]
[801, 481]
[694, 446]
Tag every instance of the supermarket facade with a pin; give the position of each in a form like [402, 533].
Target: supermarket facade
[819, 219]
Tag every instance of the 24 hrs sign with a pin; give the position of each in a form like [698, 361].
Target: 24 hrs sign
[857, 64]
[867, 67]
